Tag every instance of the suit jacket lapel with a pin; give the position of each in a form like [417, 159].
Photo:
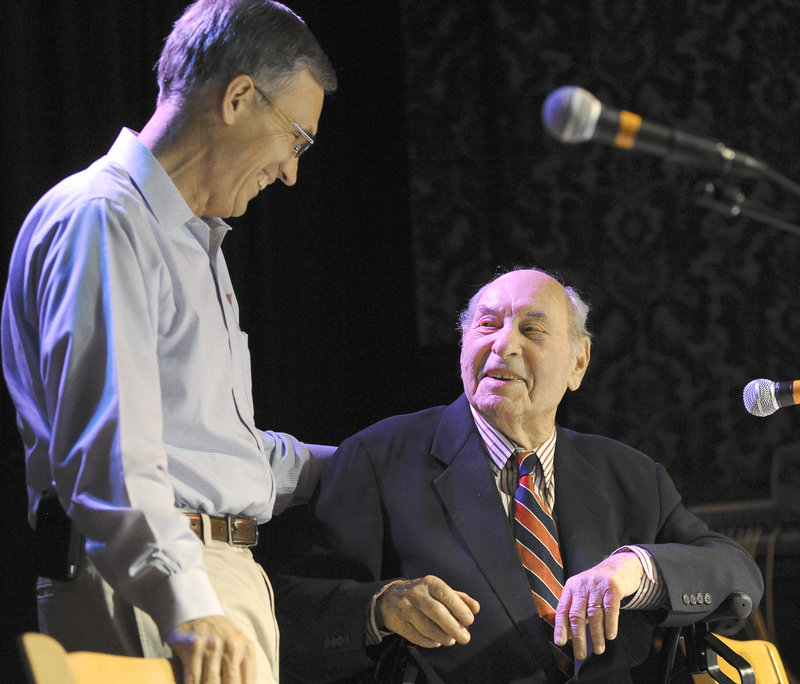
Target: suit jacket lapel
[580, 509]
[468, 491]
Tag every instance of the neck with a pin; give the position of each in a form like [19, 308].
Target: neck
[528, 436]
[173, 135]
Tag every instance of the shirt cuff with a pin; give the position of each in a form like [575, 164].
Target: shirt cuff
[651, 593]
[374, 635]
[182, 597]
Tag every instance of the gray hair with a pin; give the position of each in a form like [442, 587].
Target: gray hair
[217, 40]
[578, 311]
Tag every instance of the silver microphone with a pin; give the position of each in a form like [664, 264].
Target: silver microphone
[763, 397]
[572, 115]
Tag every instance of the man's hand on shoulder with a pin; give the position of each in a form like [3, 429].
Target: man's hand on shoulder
[592, 598]
[213, 651]
[426, 611]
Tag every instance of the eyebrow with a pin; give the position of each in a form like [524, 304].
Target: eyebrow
[534, 314]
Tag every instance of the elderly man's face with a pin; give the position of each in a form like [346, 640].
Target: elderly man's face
[516, 361]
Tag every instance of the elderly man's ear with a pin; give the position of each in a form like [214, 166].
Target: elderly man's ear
[581, 364]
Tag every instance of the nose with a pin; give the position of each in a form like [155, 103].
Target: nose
[288, 169]
[506, 341]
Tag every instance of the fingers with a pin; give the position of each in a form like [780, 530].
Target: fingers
[581, 616]
[589, 609]
[213, 651]
[595, 617]
[248, 666]
[561, 630]
[462, 607]
[429, 632]
[612, 621]
[471, 603]
[427, 612]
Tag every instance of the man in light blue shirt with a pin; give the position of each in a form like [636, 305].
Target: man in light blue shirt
[131, 377]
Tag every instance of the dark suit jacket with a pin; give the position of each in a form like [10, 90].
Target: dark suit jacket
[414, 495]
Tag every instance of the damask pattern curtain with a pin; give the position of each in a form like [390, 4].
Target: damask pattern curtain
[688, 305]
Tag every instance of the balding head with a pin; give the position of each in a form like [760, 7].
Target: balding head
[578, 310]
[522, 348]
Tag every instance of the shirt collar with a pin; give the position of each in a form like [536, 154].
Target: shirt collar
[159, 191]
[500, 448]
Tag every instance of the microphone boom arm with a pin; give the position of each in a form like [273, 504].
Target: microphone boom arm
[733, 203]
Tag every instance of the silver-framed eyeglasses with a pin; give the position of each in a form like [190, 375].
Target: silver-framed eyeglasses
[300, 147]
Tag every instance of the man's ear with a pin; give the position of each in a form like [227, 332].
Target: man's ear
[236, 93]
[581, 364]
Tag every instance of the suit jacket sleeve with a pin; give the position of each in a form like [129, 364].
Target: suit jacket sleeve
[323, 605]
[698, 566]
[609, 494]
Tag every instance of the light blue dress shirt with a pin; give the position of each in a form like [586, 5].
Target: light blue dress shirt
[123, 355]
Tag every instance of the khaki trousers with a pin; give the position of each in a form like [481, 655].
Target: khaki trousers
[85, 614]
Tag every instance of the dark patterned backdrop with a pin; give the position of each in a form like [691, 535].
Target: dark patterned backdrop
[688, 306]
[431, 170]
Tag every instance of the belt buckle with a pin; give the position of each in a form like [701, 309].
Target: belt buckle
[231, 528]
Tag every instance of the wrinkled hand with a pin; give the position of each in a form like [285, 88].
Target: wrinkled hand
[593, 597]
[426, 611]
[213, 651]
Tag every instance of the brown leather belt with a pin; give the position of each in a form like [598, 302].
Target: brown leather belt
[230, 529]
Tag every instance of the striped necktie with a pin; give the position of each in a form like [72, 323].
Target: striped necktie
[537, 544]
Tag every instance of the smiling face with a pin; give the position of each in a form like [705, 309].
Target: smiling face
[516, 357]
[260, 141]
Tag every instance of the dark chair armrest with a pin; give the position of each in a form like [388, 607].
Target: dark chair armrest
[702, 647]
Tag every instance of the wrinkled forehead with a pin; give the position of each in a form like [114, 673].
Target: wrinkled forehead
[525, 293]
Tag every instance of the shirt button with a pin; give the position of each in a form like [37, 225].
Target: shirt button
[686, 599]
[708, 598]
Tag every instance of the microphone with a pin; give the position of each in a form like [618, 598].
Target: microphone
[764, 397]
[572, 115]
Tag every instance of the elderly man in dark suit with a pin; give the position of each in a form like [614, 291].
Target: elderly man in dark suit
[423, 518]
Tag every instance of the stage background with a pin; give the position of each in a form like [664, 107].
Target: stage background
[432, 171]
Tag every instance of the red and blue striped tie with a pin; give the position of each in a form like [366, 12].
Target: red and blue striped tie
[537, 544]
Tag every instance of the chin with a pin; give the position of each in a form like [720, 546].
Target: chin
[238, 209]
[490, 403]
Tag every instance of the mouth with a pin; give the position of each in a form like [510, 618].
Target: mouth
[262, 179]
[502, 376]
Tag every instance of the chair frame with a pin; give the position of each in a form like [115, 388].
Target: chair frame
[703, 647]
